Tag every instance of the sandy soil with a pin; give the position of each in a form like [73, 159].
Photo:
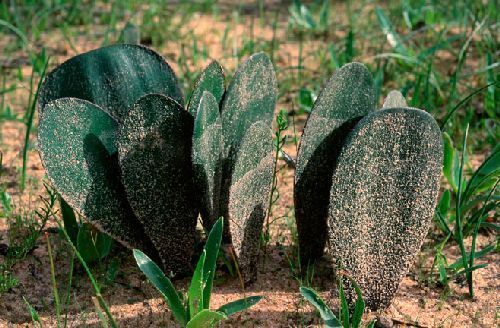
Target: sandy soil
[135, 303]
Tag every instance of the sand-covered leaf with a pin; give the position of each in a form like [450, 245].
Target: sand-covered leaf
[249, 196]
[77, 146]
[207, 147]
[346, 98]
[250, 97]
[211, 79]
[112, 77]
[154, 146]
[382, 200]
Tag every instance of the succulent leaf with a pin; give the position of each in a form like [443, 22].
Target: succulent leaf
[211, 80]
[395, 99]
[112, 77]
[154, 147]
[348, 96]
[382, 199]
[250, 97]
[207, 161]
[76, 141]
[249, 196]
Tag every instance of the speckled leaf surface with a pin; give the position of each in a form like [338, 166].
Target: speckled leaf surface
[154, 147]
[382, 200]
[348, 96]
[207, 161]
[112, 77]
[249, 196]
[250, 97]
[394, 99]
[77, 146]
[212, 80]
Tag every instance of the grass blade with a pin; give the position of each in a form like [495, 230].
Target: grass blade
[392, 36]
[462, 102]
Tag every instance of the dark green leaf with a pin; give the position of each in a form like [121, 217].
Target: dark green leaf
[211, 80]
[163, 284]
[250, 97]
[76, 141]
[347, 96]
[239, 305]
[85, 244]
[103, 244]
[112, 78]
[324, 311]
[195, 292]
[130, 34]
[207, 161]
[69, 219]
[205, 319]
[154, 152]
[212, 251]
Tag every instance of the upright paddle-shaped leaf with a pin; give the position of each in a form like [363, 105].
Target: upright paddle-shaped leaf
[112, 78]
[211, 80]
[382, 200]
[76, 141]
[154, 147]
[207, 160]
[348, 96]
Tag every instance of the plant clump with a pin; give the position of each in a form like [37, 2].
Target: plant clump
[367, 182]
[120, 148]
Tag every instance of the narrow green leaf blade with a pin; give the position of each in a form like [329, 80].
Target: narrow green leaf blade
[392, 36]
[212, 252]
[69, 219]
[324, 311]
[239, 305]
[195, 292]
[103, 243]
[449, 160]
[205, 319]
[163, 284]
[344, 307]
[85, 244]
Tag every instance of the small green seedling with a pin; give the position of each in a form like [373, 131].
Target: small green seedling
[193, 310]
[346, 318]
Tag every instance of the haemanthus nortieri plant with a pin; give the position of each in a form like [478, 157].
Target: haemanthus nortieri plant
[121, 149]
[366, 183]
